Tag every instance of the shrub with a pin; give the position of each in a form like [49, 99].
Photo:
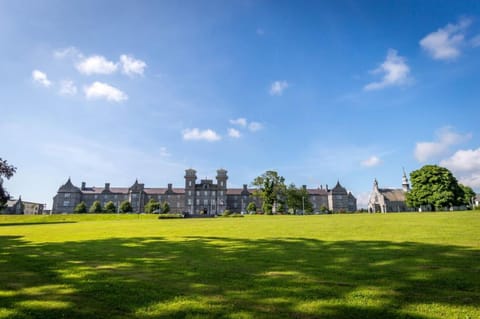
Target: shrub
[170, 216]
[126, 207]
[251, 207]
[110, 208]
[226, 212]
[81, 208]
[96, 207]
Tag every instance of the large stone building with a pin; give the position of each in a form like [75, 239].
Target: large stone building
[20, 207]
[385, 200]
[204, 197]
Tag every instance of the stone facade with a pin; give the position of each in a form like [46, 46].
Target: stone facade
[20, 207]
[206, 196]
[386, 200]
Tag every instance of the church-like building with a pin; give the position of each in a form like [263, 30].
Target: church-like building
[386, 200]
[204, 197]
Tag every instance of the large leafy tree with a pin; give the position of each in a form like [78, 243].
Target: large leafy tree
[252, 207]
[435, 186]
[468, 195]
[164, 208]
[270, 188]
[6, 171]
[96, 207]
[297, 199]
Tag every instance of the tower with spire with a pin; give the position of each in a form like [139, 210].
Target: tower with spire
[405, 184]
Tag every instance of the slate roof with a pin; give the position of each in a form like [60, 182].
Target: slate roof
[393, 195]
[317, 191]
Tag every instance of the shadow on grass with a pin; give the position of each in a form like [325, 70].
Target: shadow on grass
[206, 277]
[36, 223]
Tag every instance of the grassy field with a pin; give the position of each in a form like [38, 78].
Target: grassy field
[332, 266]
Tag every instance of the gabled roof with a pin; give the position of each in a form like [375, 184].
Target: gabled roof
[339, 189]
[68, 187]
[393, 195]
[317, 191]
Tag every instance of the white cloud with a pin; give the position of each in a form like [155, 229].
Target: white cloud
[195, 134]
[241, 121]
[132, 66]
[278, 87]
[234, 133]
[445, 43]
[475, 41]
[372, 161]
[99, 90]
[41, 78]
[71, 52]
[395, 72]
[465, 165]
[445, 138]
[67, 87]
[96, 64]
[255, 126]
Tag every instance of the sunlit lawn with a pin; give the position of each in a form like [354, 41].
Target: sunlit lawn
[331, 266]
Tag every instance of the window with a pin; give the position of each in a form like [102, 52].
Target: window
[189, 201]
[198, 201]
[134, 196]
[235, 205]
[178, 204]
[198, 193]
[67, 195]
[213, 202]
[213, 193]
[221, 183]
[114, 196]
[66, 203]
[189, 193]
[205, 202]
[189, 183]
[221, 193]
[95, 196]
[206, 193]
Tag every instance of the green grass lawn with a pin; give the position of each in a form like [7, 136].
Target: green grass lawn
[332, 266]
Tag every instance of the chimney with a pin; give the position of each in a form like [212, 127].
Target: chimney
[170, 187]
[245, 187]
[83, 186]
[107, 186]
[304, 186]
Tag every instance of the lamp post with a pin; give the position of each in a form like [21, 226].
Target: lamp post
[303, 205]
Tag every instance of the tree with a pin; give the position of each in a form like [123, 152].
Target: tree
[152, 206]
[164, 208]
[81, 208]
[110, 208]
[96, 207]
[126, 207]
[298, 199]
[468, 195]
[434, 186]
[252, 207]
[7, 171]
[270, 188]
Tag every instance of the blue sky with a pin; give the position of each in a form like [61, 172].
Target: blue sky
[111, 91]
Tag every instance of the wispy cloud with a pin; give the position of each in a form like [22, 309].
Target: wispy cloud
[99, 90]
[241, 121]
[395, 72]
[67, 87]
[255, 126]
[234, 133]
[278, 87]
[132, 66]
[465, 164]
[371, 161]
[445, 138]
[70, 52]
[446, 42]
[96, 64]
[41, 78]
[195, 134]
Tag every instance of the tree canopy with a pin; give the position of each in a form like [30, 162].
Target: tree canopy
[96, 207]
[110, 208]
[434, 186]
[81, 208]
[270, 188]
[6, 171]
[152, 206]
[298, 199]
[468, 195]
[126, 207]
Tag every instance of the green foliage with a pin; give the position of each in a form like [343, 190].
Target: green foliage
[164, 208]
[152, 206]
[435, 186]
[110, 208]
[226, 212]
[126, 207]
[280, 207]
[298, 199]
[251, 207]
[96, 207]
[170, 216]
[324, 209]
[270, 188]
[468, 195]
[81, 208]
[6, 171]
